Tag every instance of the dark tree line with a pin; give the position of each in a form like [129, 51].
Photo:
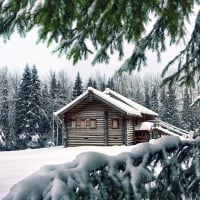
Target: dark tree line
[27, 103]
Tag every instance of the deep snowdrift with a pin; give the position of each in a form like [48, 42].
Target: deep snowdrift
[148, 171]
[16, 165]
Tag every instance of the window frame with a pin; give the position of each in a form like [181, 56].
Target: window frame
[73, 124]
[93, 122]
[115, 123]
[83, 123]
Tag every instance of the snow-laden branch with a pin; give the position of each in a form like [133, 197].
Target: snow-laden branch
[167, 167]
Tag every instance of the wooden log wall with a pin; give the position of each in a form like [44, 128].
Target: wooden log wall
[106, 127]
[130, 132]
[93, 108]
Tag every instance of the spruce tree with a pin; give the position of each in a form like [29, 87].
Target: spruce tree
[24, 110]
[171, 108]
[4, 111]
[111, 84]
[53, 86]
[138, 95]
[196, 118]
[187, 117]
[36, 108]
[94, 84]
[154, 100]
[36, 95]
[147, 102]
[163, 103]
[78, 88]
[102, 85]
[28, 110]
[90, 82]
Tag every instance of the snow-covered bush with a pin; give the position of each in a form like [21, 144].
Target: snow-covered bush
[29, 140]
[167, 168]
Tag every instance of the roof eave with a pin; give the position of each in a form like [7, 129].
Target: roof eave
[72, 104]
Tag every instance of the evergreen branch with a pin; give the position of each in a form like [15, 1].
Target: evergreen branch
[188, 59]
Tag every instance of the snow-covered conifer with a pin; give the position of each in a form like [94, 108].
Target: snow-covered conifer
[36, 97]
[187, 116]
[147, 101]
[78, 87]
[28, 109]
[170, 108]
[154, 100]
[4, 107]
[111, 84]
[89, 83]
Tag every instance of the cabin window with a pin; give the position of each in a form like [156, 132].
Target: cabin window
[93, 123]
[73, 123]
[78, 123]
[115, 123]
[82, 124]
[87, 123]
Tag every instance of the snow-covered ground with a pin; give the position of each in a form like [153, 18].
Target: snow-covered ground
[17, 165]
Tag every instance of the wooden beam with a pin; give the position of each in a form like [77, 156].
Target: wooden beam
[134, 139]
[124, 130]
[106, 128]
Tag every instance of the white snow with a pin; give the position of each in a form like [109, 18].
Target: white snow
[92, 8]
[38, 4]
[172, 130]
[17, 165]
[144, 126]
[131, 103]
[195, 101]
[70, 170]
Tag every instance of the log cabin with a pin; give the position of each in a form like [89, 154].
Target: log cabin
[104, 118]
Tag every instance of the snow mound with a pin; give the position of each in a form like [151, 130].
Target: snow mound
[148, 170]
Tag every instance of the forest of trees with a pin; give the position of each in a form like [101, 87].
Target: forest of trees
[28, 103]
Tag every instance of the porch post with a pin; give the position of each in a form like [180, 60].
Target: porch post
[64, 132]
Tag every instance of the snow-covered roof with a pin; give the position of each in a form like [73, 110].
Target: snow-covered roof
[131, 103]
[113, 99]
[144, 126]
[71, 104]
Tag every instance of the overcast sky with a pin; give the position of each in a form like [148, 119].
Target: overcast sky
[17, 52]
